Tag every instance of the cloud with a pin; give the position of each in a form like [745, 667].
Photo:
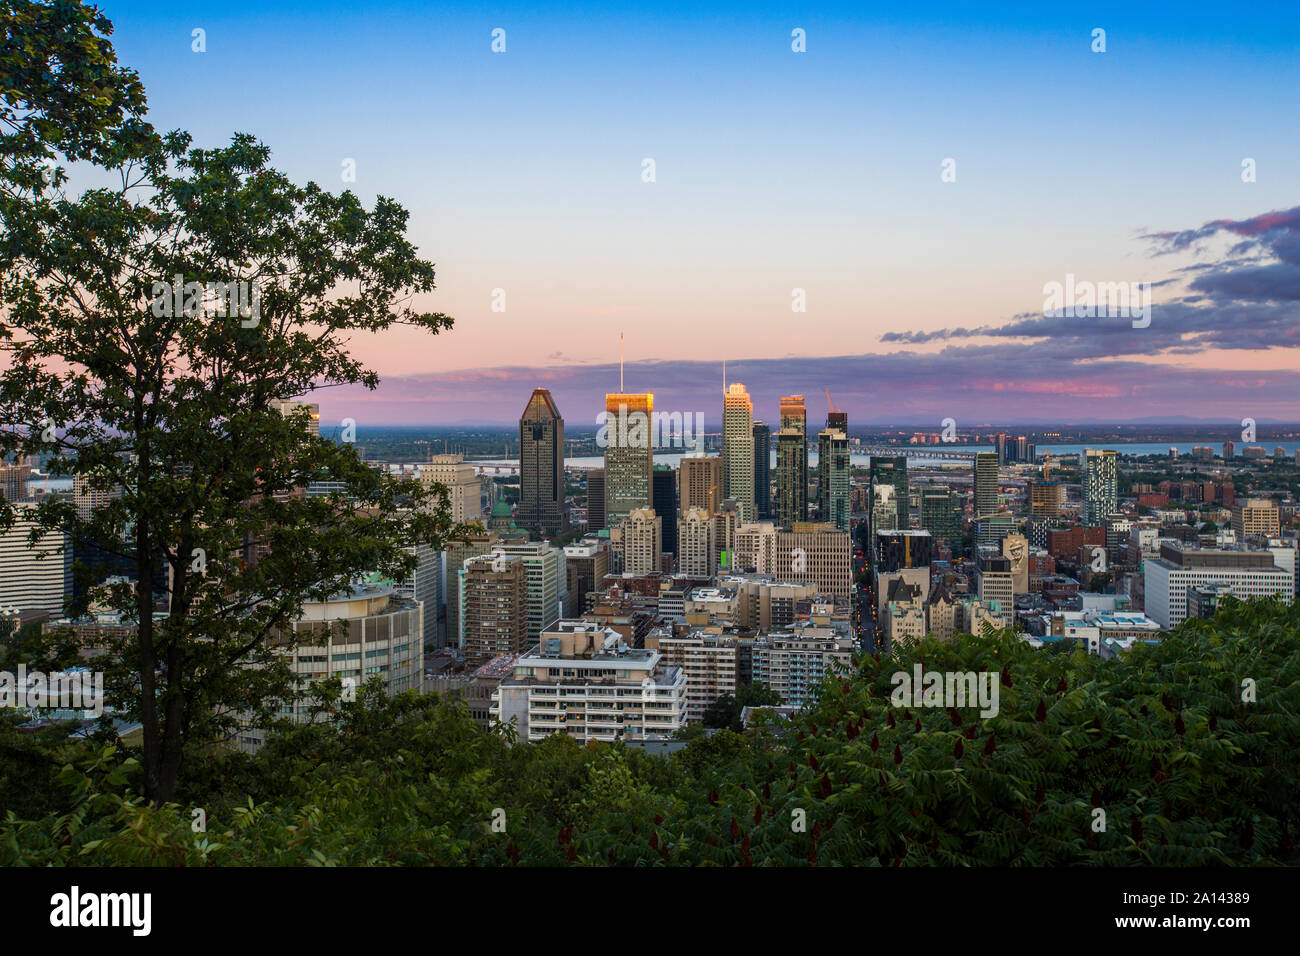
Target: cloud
[1032, 367]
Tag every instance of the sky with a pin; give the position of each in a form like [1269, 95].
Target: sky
[923, 281]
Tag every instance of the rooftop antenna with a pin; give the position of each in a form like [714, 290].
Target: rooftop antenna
[620, 363]
[724, 375]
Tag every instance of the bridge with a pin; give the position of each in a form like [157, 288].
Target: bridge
[916, 451]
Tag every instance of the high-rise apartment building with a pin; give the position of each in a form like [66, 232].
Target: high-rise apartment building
[629, 454]
[642, 542]
[709, 661]
[541, 466]
[701, 482]
[697, 554]
[986, 483]
[792, 463]
[544, 581]
[665, 505]
[454, 558]
[1100, 485]
[762, 470]
[582, 679]
[738, 448]
[833, 477]
[494, 595]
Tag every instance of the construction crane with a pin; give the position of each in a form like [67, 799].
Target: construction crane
[830, 406]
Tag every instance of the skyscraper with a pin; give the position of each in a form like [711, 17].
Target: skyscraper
[986, 483]
[665, 505]
[595, 500]
[833, 477]
[762, 470]
[892, 470]
[738, 448]
[629, 454]
[941, 516]
[642, 542]
[701, 482]
[1100, 486]
[458, 476]
[541, 465]
[792, 463]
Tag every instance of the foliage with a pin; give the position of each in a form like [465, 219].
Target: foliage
[1187, 772]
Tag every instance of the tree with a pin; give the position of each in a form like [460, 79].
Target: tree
[150, 327]
[725, 711]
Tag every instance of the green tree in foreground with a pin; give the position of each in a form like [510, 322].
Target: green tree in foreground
[149, 329]
[1186, 751]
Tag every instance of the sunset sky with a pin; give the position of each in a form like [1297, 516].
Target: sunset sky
[778, 170]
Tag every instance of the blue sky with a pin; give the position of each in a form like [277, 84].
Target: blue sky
[778, 170]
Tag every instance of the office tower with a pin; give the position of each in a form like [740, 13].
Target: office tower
[585, 565]
[1000, 443]
[33, 577]
[665, 505]
[629, 454]
[541, 466]
[288, 408]
[622, 694]
[833, 476]
[425, 585]
[14, 482]
[991, 529]
[1024, 454]
[884, 509]
[495, 598]
[762, 470]
[738, 449]
[1015, 548]
[701, 482]
[1100, 486]
[811, 551]
[642, 542]
[1256, 516]
[697, 557]
[464, 489]
[892, 471]
[1046, 498]
[454, 558]
[1179, 568]
[941, 516]
[838, 419]
[544, 582]
[986, 483]
[1229, 450]
[595, 500]
[897, 549]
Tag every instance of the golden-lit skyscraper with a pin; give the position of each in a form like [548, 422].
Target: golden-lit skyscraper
[629, 454]
[738, 448]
